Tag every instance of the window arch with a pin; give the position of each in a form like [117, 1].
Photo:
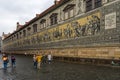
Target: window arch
[29, 30]
[24, 33]
[69, 11]
[34, 27]
[54, 18]
[92, 4]
[43, 23]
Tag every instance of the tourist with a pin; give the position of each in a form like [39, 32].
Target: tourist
[112, 62]
[13, 61]
[35, 61]
[49, 58]
[44, 59]
[39, 59]
[5, 61]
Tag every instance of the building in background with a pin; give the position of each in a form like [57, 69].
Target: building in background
[2, 38]
[0, 44]
[84, 29]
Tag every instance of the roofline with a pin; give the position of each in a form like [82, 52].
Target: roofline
[50, 9]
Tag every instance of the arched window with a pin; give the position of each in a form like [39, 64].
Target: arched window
[17, 36]
[92, 4]
[24, 33]
[54, 18]
[34, 27]
[20, 34]
[42, 23]
[69, 11]
[98, 3]
[29, 30]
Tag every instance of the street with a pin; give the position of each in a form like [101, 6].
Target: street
[57, 71]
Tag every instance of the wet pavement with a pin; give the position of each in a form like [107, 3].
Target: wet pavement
[58, 71]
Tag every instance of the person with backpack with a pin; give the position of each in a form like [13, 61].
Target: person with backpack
[5, 61]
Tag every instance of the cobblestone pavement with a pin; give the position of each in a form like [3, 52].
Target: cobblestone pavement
[58, 71]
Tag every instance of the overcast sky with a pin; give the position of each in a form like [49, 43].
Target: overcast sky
[12, 11]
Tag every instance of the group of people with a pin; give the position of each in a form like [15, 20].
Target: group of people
[37, 60]
[6, 61]
[41, 59]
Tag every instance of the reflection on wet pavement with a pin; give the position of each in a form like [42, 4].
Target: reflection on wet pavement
[24, 70]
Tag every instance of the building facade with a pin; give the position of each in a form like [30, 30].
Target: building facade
[0, 44]
[88, 29]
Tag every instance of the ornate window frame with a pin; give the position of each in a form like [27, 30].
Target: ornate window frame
[34, 28]
[42, 23]
[92, 4]
[68, 11]
[54, 18]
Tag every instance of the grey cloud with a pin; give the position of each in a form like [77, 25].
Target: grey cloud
[12, 11]
[21, 6]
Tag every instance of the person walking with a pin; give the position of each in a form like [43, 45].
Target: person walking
[44, 59]
[35, 61]
[13, 61]
[39, 59]
[5, 61]
[49, 58]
